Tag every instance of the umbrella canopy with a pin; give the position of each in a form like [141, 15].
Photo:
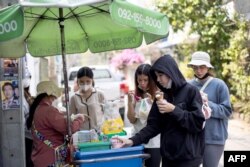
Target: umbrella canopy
[58, 27]
[97, 25]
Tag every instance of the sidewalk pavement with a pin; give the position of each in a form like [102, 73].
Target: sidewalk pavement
[238, 137]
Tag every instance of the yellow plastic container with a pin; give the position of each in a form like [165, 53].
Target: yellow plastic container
[112, 126]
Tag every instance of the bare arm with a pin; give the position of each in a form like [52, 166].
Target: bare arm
[131, 108]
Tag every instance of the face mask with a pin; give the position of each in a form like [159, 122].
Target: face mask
[85, 87]
[169, 85]
[26, 82]
[55, 103]
[142, 88]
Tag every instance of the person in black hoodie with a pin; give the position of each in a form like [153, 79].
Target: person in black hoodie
[177, 117]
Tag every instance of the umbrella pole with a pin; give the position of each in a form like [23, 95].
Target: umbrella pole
[65, 75]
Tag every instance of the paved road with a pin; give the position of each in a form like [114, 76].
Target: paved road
[239, 137]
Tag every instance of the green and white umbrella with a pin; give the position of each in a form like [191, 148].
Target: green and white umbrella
[60, 27]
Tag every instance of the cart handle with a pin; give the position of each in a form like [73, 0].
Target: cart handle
[111, 159]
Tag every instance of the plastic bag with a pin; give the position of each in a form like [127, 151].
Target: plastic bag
[142, 109]
[207, 111]
[112, 122]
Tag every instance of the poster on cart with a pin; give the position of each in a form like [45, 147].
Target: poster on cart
[10, 94]
[10, 67]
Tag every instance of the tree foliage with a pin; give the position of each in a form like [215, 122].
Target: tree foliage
[237, 70]
[208, 19]
[224, 38]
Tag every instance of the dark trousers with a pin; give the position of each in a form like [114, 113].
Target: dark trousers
[28, 151]
[178, 163]
[155, 159]
[214, 152]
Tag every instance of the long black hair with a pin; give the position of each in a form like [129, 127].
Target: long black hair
[33, 107]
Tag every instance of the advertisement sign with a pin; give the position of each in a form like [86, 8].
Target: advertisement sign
[10, 94]
[10, 67]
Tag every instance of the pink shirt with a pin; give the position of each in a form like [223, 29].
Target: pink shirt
[53, 126]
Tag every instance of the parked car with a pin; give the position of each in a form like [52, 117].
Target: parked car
[112, 85]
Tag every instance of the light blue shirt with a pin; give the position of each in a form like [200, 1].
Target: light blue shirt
[219, 101]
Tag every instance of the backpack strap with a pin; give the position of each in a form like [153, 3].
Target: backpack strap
[206, 83]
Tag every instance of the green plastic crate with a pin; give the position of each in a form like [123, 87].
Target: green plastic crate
[94, 146]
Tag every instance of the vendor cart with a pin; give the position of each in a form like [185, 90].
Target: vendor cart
[122, 157]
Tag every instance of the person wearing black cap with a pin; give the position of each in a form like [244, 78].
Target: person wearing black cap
[88, 100]
[177, 117]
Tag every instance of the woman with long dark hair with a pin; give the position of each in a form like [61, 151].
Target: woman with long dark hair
[145, 88]
[177, 116]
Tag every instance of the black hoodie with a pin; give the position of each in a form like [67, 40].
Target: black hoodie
[182, 135]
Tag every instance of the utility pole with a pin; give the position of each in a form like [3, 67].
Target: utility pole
[12, 150]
